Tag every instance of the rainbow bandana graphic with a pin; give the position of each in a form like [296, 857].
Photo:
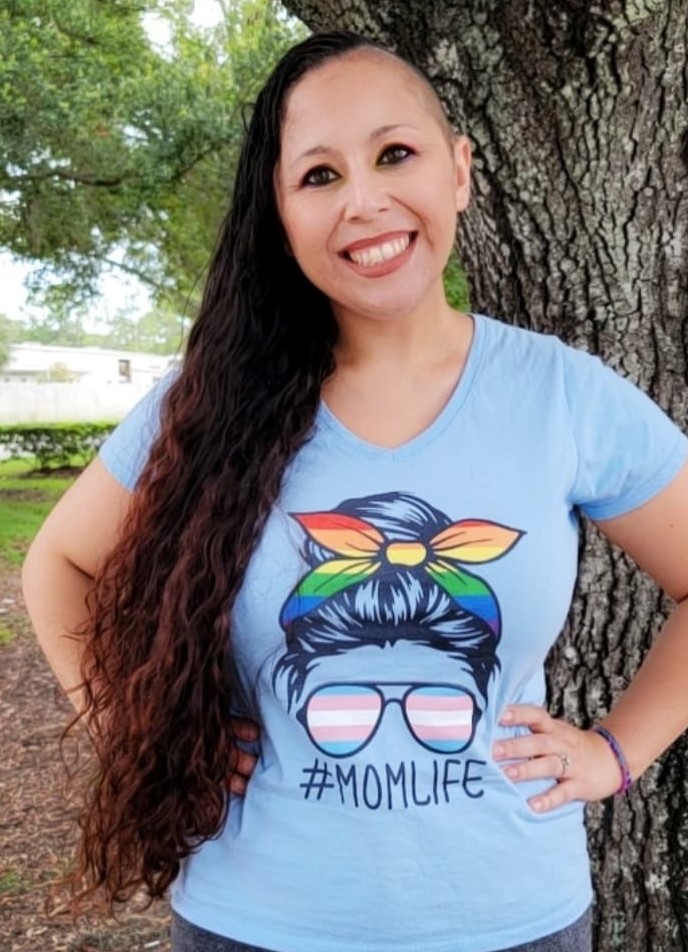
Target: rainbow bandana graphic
[360, 550]
[390, 571]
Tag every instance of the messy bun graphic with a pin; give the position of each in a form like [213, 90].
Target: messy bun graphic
[384, 569]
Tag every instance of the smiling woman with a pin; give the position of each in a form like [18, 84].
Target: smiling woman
[368, 198]
[350, 521]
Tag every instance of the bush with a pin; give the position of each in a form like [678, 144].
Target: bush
[52, 445]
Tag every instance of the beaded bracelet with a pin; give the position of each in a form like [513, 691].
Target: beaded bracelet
[626, 779]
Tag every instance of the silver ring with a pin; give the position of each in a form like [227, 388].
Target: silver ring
[565, 763]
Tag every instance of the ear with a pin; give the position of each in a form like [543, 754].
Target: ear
[462, 168]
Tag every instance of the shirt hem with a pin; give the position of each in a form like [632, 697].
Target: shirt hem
[650, 488]
[274, 939]
[115, 467]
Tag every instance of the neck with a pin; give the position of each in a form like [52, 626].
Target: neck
[405, 343]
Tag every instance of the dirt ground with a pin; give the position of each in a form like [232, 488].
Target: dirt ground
[37, 830]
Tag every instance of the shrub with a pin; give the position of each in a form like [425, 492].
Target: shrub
[52, 445]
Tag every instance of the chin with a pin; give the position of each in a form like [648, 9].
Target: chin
[383, 307]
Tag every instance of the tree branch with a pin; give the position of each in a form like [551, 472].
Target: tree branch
[130, 269]
[16, 180]
[88, 40]
[180, 173]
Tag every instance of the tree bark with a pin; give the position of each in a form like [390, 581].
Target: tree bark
[578, 116]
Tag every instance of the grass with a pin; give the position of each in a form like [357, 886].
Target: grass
[6, 635]
[26, 467]
[10, 882]
[13, 467]
[26, 498]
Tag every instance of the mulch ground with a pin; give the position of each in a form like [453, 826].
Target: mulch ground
[37, 829]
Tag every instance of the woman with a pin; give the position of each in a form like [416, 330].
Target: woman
[352, 518]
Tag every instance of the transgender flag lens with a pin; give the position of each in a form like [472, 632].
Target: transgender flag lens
[440, 717]
[341, 718]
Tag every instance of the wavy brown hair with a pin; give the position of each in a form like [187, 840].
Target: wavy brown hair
[157, 674]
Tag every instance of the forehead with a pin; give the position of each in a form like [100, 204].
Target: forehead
[363, 89]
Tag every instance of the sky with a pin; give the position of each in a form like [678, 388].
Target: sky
[117, 291]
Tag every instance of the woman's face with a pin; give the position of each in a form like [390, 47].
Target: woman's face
[368, 186]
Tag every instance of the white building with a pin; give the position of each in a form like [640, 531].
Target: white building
[42, 383]
[46, 363]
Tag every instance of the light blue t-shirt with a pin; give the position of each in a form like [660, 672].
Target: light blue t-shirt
[398, 600]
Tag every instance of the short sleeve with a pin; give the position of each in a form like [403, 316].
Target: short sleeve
[126, 450]
[628, 448]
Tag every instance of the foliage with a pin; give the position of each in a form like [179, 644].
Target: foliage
[59, 324]
[455, 284]
[58, 372]
[53, 445]
[160, 331]
[113, 151]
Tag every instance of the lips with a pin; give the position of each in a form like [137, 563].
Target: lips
[372, 252]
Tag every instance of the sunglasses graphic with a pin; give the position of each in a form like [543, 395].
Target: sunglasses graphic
[342, 718]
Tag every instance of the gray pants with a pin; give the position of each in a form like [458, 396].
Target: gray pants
[189, 938]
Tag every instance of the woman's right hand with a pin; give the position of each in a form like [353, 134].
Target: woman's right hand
[241, 762]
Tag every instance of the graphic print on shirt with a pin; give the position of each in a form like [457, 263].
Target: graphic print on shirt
[389, 617]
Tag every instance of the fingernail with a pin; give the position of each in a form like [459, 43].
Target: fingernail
[511, 772]
[538, 805]
[498, 750]
[507, 716]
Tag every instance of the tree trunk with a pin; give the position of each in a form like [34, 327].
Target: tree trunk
[578, 226]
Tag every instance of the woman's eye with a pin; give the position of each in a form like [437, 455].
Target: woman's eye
[394, 154]
[319, 176]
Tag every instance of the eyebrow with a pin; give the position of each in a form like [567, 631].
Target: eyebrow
[373, 137]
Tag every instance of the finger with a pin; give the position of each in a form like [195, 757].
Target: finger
[244, 729]
[554, 798]
[237, 785]
[528, 715]
[243, 764]
[530, 745]
[536, 769]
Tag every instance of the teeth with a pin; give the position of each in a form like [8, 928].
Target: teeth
[379, 253]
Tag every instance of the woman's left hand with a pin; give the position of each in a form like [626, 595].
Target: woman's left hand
[581, 762]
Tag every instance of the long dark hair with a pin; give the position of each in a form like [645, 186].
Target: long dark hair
[156, 663]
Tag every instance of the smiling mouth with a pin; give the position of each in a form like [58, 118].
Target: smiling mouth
[379, 254]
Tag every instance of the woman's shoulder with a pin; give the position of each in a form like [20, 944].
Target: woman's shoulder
[521, 345]
[125, 452]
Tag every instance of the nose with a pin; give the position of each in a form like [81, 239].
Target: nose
[364, 196]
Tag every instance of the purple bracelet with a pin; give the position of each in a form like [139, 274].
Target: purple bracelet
[626, 779]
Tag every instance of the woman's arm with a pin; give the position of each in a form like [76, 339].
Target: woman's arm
[653, 711]
[63, 559]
